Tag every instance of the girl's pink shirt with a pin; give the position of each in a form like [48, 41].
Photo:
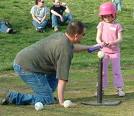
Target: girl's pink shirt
[110, 33]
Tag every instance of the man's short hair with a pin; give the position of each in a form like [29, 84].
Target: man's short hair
[75, 27]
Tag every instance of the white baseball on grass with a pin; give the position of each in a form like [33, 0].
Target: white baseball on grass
[38, 106]
[68, 103]
[100, 54]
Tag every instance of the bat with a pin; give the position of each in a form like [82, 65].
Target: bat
[94, 48]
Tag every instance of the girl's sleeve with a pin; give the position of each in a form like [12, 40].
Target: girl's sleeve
[99, 26]
[120, 28]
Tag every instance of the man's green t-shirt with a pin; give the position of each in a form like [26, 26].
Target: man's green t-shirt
[49, 55]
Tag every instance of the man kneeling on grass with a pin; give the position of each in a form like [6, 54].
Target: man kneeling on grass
[44, 66]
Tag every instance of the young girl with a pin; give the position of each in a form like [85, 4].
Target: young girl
[109, 33]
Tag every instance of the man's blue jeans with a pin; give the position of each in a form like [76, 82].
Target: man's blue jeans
[40, 26]
[56, 20]
[43, 86]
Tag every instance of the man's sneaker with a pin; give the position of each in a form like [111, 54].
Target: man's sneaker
[56, 29]
[4, 101]
[120, 92]
[4, 96]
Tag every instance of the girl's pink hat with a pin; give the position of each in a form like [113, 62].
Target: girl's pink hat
[107, 8]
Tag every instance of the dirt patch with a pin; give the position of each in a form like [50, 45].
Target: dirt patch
[7, 74]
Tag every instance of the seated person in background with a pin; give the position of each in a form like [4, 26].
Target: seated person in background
[57, 16]
[40, 15]
[118, 4]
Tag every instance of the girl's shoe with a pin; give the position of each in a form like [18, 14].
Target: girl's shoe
[120, 92]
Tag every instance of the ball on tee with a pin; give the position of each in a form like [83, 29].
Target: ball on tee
[67, 103]
[38, 106]
[100, 54]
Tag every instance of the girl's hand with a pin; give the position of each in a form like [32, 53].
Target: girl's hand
[111, 43]
[103, 44]
[106, 44]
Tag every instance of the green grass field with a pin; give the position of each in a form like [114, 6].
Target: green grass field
[83, 73]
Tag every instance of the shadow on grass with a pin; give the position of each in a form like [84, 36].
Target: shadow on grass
[127, 97]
